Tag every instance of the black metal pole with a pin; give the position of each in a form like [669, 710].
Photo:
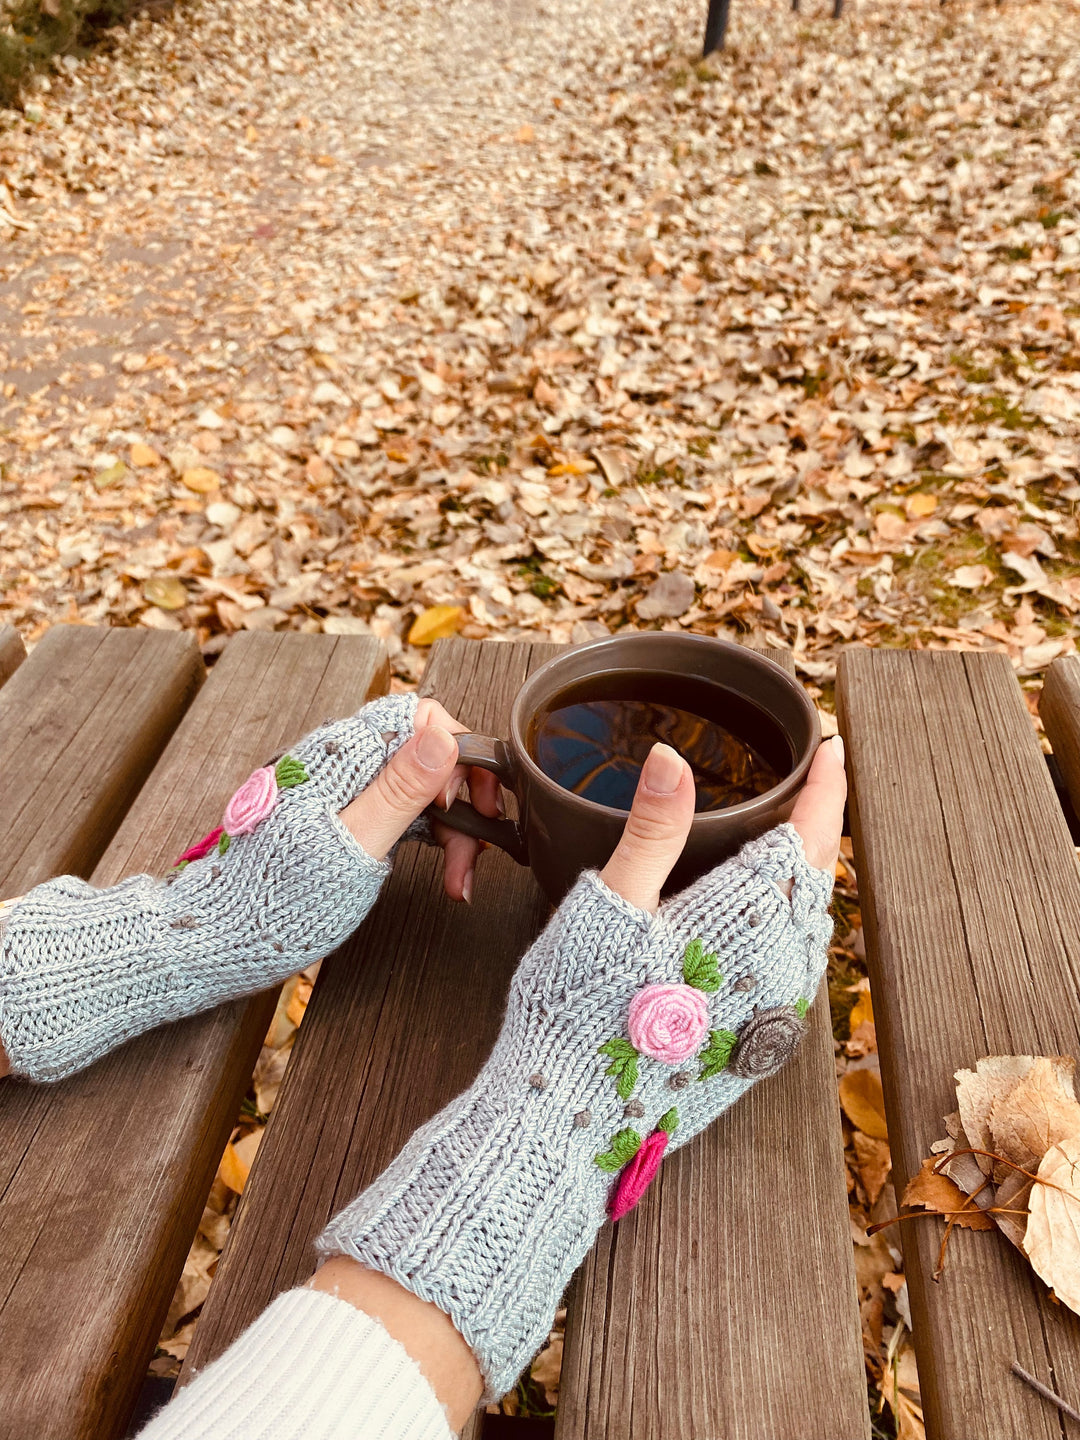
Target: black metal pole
[716, 25]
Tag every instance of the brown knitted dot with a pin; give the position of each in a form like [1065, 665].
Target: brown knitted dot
[679, 1080]
[635, 1110]
[745, 982]
[753, 918]
[583, 1118]
[537, 1081]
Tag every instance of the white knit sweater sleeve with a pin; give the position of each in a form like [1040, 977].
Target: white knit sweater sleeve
[311, 1367]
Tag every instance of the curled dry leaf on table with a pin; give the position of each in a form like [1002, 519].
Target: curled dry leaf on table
[1011, 1161]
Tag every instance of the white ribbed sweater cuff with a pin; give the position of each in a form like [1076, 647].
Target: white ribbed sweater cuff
[311, 1367]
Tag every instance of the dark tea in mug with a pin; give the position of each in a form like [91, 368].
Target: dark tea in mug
[592, 738]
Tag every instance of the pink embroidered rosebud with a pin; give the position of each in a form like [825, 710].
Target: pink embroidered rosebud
[200, 848]
[668, 1022]
[638, 1175]
[252, 803]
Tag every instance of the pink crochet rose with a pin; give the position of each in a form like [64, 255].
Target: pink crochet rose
[252, 803]
[668, 1022]
[200, 848]
[638, 1174]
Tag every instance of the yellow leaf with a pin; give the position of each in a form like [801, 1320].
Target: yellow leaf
[863, 1009]
[298, 1002]
[251, 134]
[526, 135]
[572, 467]
[200, 479]
[236, 1162]
[920, 505]
[111, 476]
[143, 455]
[436, 623]
[863, 1102]
[168, 592]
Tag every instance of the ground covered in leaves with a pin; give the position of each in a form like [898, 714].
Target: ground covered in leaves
[322, 316]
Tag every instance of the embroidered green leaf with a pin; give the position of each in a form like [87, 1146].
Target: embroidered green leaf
[717, 1053]
[181, 864]
[801, 1007]
[669, 1120]
[223, 843]
[624, 1064]
[289, 772]
[624, 1146]
[699, 968]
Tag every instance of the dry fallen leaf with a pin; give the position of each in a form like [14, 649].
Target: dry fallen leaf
[874, 1163]
[236, 1162]
[143, 455]
[200, 479]
[1037, 1112]
[438, 622]
[943, 1196]
[863, 1102]
[168, 592]
[1052, 1238]
[977, 1090]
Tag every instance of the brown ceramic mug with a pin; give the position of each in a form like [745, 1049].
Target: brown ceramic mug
[559, 833]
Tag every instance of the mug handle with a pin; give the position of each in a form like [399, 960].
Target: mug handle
[486, 753]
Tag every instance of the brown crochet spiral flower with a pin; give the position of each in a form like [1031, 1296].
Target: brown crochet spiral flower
[767, 1042]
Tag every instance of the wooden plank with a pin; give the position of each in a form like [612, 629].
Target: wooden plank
[103, 1177]
[970, 899]
[679, 1316]
[82, 724]
[378, 1052]
[1059, 707]
[12, 653]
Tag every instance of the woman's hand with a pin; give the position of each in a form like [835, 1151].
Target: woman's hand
[424, 771]
[663, 809]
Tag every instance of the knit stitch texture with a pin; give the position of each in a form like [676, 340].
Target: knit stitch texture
[492, 1205]
[82, 969]
[311, 1367]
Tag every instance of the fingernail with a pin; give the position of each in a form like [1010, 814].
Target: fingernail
[662, 770]
[466, 887]
[450, 796]
[837, 743]
[435, 747]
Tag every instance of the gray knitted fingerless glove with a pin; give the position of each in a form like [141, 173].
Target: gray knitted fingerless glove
[280, 884]
[625, 1034]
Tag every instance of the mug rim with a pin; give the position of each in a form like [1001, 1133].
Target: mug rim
[745, 808]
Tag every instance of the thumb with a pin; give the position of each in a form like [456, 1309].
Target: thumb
[656, 829]
[414, 776]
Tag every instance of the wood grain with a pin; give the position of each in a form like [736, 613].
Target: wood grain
[970, 899]
[12, 653]
[725, 1304]
[103, 1177]
[1059, 708]
[400, 1021]
[82, 724]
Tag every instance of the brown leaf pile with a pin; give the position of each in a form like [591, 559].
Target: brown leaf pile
[324, 317]
[231, 1177]
[879, 1264]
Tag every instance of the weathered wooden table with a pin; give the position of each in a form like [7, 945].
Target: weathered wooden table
[725, 1305]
